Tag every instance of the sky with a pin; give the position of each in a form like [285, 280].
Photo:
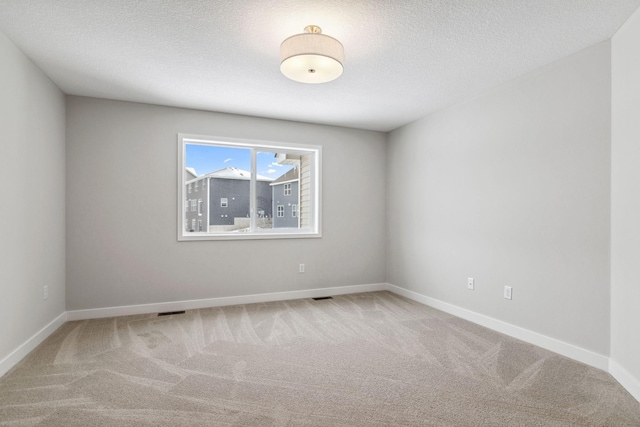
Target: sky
[206, 158]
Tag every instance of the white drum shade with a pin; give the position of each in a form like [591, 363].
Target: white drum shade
[311, 57]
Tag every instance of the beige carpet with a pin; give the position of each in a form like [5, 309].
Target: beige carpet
[371, 359]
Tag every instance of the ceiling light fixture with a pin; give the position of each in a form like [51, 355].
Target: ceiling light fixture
[311, 57]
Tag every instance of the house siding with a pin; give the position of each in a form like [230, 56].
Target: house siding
[279, 198]
[236, 192]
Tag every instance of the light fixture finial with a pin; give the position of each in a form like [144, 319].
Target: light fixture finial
[313, 29]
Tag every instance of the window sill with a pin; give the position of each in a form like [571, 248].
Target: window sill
[263, 235]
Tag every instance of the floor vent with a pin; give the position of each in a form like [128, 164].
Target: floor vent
[169, 313]
[321, 298]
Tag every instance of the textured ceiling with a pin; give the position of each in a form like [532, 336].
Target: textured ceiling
[404, 58]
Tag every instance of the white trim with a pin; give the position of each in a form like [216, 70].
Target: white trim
[263, 234]
[25, 348]
[568, 350]
[128, 310]
[289, 147]
[253, 192]
[625, 379]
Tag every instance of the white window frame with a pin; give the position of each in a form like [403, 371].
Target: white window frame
[224, 202]
[280, 210]
[200, 207]
[287, 189]
[314, 209]
[294, 210]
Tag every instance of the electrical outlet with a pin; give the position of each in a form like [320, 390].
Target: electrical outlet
[507, 292]
[470, 285]
[46, 292]
[301, 269]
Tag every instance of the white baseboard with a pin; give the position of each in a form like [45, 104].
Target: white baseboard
[627, 380]
[19, 353]
[568, 350]
[128, 310]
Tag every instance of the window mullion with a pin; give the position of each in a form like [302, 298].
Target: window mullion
[252, 192]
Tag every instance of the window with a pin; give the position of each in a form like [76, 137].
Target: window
[200, 225]
[193, 225]
[194, 205]
[251, 174]
[189, 188]
[195, 185]
[186, 205]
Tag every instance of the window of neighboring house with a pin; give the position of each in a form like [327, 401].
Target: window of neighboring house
[193, 205]
[294, 210]
[199, 206]
[189, 188]
[200, 225]
[251, 174]
[195, 185]
[186, 205]
[193, 225]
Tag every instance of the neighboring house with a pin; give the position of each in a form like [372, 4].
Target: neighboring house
[221, 198]
[196, 203]
[286, 200]
[229, 196]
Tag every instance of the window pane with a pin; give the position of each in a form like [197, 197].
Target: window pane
[222, 183]
[282, 191]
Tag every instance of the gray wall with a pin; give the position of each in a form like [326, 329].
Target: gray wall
[625, 197]
[112, 260]
[32, 123]
[512, 188]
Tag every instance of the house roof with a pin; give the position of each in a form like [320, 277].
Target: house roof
[403, 59]
[291, 175]
[191, 171]
[235, 173]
